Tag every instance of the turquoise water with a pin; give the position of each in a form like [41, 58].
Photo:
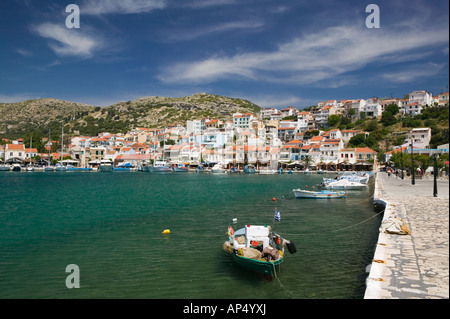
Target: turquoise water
[110, 225]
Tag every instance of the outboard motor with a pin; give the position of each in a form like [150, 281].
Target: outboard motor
[291, 246]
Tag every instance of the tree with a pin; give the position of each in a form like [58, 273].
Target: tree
[333, 120]
[307, 160]
[387, 118]
[360, 140]
[393, 108]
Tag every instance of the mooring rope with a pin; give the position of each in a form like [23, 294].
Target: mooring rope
[340, 229]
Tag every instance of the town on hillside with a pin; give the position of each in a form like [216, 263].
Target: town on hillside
[286, 138]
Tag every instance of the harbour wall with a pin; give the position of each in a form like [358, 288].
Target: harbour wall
[415, 264]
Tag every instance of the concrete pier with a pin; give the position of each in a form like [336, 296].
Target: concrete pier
[414, 265]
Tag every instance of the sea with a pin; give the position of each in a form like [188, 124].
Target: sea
[109, 226]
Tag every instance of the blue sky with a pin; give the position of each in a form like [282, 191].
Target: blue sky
[273, 52]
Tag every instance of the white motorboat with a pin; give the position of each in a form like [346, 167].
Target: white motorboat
[325, 194]
[160, 167]
[218, 169]
[105, 166]
[345, 184]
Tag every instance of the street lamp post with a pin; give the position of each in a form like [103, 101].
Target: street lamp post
[401, 160]
[413, 181]
[435, 173]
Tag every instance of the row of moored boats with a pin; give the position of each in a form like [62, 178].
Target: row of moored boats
[337, 187]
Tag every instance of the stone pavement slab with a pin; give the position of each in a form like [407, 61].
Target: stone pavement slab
[415, 265]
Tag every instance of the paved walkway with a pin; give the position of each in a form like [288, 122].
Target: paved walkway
[415, 265]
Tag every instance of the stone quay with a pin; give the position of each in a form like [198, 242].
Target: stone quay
[414, 265]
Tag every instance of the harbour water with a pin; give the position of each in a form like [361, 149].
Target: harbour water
[110, 225]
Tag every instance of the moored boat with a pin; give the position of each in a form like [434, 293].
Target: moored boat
[78, 169]
[249, 169]
[345, 184]
[60, 168]
[160, 167]
[180, 168]
[49, 168]
[325, 194]
[257, 248]
[218, 169]
[125, 167]
[105, 166]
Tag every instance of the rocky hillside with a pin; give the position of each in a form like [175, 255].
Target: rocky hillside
[155, 111]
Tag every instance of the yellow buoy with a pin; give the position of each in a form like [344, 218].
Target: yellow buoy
[166, 231]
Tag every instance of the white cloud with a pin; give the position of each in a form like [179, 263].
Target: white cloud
[277, 100]
[68, 42]
[207, 3]
[99, 7]
[190, 34]
[24, 52]
[309, 58]
[413, 73]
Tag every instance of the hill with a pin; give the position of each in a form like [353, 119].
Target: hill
[42, 115]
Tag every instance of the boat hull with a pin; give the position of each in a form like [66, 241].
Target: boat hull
[319, 195]
[264, 268]
[106, 168]
[160, 169]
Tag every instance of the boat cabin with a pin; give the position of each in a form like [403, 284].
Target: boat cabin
[252, 235]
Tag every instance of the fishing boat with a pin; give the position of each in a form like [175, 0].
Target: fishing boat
[325, 194]
[218, 169]
[125, 167]
[180, 168]
[267, 171]
[105, 165]
[70, 167]
[345, 184]
[160, 167]
[249, 169]
[353, 177]
[49, 168]
[257, 248]
[60, 167]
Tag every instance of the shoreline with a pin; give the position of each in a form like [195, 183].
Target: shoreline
[414, 265]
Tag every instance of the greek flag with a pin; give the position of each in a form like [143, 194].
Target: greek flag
[277, 215]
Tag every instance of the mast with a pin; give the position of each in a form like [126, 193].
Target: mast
[31, 146]
[62, 144]
[48, 157]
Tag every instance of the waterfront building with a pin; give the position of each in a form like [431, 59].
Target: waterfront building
[30, 153]
[15, 152]
[420, 136]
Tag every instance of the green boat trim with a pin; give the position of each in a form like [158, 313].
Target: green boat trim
[266, 268]
[257, 248]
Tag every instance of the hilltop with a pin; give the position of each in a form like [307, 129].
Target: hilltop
[42, 115]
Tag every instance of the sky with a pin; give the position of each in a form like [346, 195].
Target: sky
[275, 53]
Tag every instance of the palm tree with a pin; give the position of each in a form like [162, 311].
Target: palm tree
[307, 160]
